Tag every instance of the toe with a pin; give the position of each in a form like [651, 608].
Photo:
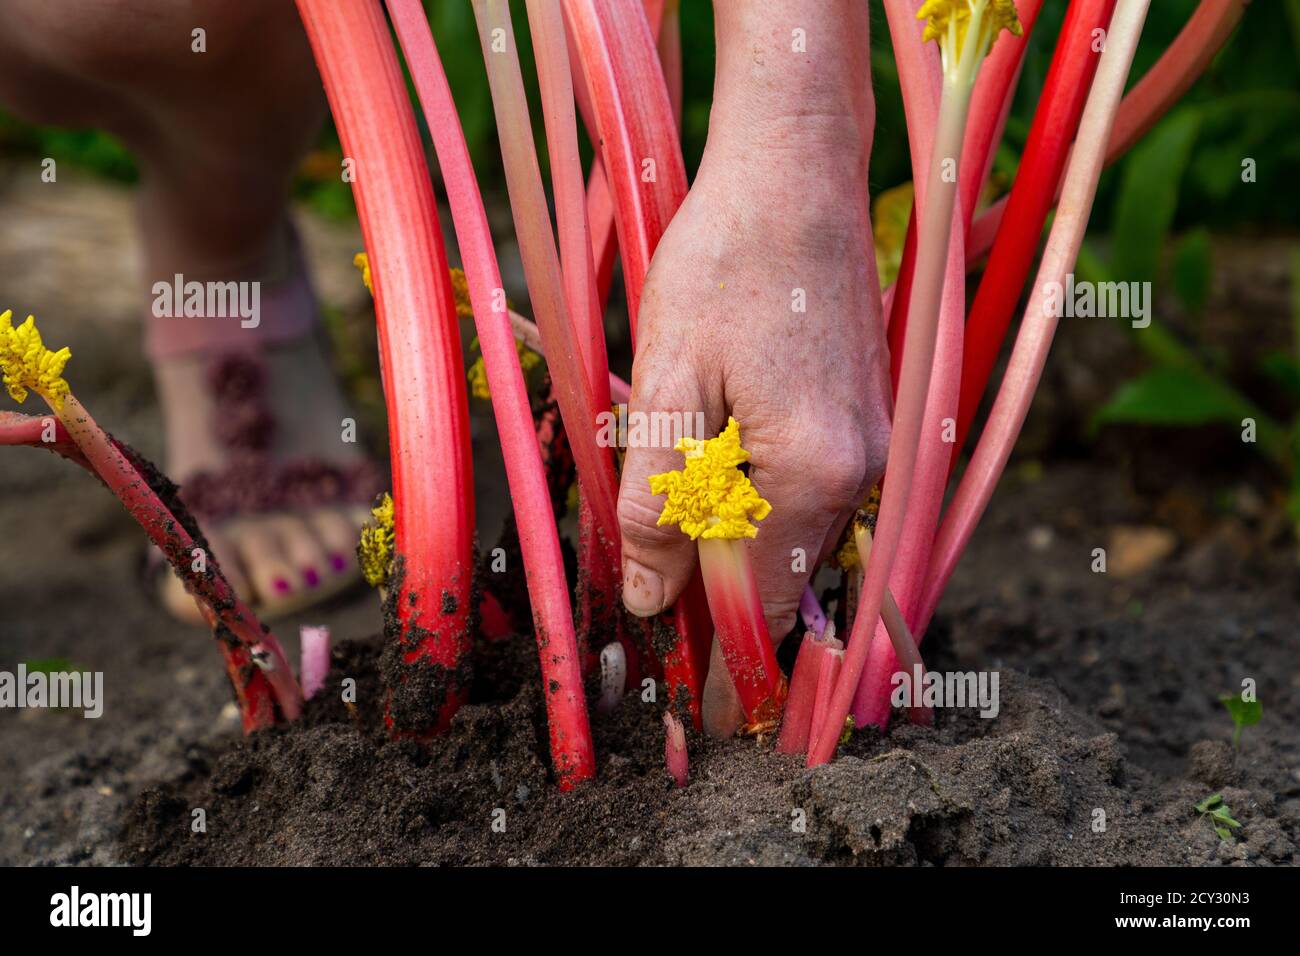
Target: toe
[337, 530]
[301, 546]
[268, 567]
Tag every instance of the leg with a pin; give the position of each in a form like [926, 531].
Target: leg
[217, 135]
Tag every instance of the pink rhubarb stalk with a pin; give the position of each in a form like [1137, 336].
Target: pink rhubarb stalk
[419, 344]
[797, 721]
[675, 757]
[546, 290]
[572, 753]
[901, 650]
[1039, 323]
[830, 666]
[919, 480]
[315, 659]
[1055, 122]
[963, 50]
[598, 584]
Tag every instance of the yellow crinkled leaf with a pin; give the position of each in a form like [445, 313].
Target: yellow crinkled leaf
[26, 363]
[711, 497]
[375, 550]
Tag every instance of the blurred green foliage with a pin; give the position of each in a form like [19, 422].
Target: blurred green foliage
[1247, 105]
[1153, 217]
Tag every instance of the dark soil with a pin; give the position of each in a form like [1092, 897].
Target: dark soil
[1142, 741]
[1109, 682]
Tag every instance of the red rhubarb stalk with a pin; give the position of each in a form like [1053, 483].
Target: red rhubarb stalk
[830, 665]
[419, 344]
[797, 721]
[211, 589]
[1039, 323]
[632, 117]
[990, 105]
[639, 146]
[546, 21]
[1172, 75]
[254, 660]
[1053, 131]
[572, 753]
[741, 628]
[963, 48]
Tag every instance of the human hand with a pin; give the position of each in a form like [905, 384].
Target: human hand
[762, 303]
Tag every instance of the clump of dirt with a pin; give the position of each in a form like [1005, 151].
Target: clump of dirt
[1040, 784]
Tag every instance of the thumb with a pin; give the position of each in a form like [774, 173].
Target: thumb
[657, 561]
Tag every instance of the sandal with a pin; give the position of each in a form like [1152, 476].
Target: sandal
[253, 485]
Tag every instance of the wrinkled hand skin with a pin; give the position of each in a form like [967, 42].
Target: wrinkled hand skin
[780, 204]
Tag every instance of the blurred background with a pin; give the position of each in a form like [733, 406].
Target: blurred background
[1134, 441]
[1220, 252]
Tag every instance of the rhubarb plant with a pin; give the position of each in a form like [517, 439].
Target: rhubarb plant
[616, 63]
[263, 682]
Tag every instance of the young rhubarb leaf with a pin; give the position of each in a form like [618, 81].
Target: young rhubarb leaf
[1219, 815]
[1244, 713]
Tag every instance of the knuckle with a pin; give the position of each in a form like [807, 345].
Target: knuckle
[840, 474]
[638, 519]
[876, 447]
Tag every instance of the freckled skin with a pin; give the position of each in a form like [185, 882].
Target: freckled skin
[780, 203]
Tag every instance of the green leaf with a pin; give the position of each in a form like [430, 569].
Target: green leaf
[1245, 713]
[1282, 370]
[1212, 800]
[1224, 815]
[1148, 195]
[1170, 395]
[1224, 833]
[1193, 271]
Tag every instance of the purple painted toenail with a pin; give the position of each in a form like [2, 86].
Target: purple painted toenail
[338, 562]
[281, 586]
[311, 577]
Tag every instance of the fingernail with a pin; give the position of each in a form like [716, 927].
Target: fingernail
[338, 563]
[311, 576]
[281, 586]
[643, 590]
